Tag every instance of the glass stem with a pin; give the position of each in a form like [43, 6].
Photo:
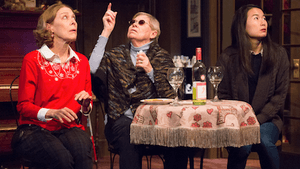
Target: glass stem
[216, 91]
[176, 97]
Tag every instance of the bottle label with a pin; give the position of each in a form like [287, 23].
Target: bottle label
[188, 88]
[202, 77]
[199, 90]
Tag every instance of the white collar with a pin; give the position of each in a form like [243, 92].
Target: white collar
[52, 57]
[261, 51]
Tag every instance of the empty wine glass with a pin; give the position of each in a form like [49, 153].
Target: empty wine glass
[184, 60]
[215, 76]
[175, 76]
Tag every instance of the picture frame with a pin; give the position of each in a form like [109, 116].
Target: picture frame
[30, 3]
[193, 18]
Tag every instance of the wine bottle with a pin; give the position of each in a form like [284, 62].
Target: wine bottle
[188, 88]
[199, 77]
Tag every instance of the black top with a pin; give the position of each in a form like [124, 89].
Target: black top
[253, 79]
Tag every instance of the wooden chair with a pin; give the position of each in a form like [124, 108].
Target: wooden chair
[148, 151]
[8, 126]
[24, 162]
[194, 151]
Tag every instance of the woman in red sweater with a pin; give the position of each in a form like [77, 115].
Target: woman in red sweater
[54, 88]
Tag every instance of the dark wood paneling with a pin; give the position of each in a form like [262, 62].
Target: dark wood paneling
[16, 40]
[16, 37]
[168, 14]
[92, 26]
[189, 44]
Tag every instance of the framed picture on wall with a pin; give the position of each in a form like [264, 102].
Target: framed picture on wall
[194, 18]
[30, 3]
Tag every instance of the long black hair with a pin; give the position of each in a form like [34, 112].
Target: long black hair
[241, 41]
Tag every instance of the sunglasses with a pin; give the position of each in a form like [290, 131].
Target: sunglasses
[140, 22]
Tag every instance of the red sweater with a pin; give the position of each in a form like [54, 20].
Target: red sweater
[42, 85]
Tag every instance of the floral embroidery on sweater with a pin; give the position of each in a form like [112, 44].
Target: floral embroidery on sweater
[57, 70]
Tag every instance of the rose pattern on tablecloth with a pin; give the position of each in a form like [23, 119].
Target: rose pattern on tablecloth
[243, 124]
[251, 120]
[207, 124]
[225, 123]
[195, 124]
[223, 110]
[197, 117]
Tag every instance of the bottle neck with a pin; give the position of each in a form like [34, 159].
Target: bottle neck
[198, 57]
[198, 54]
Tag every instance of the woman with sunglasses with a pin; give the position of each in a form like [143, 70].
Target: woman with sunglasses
[130, 73]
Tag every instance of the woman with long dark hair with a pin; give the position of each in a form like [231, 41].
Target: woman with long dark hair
[256, 70]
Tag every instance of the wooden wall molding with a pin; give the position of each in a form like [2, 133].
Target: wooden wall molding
[16, 40]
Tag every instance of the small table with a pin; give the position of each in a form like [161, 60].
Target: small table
[214, 125]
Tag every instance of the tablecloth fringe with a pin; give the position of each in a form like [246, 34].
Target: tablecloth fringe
[205, 138]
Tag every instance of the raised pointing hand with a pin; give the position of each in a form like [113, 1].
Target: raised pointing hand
[109, 21]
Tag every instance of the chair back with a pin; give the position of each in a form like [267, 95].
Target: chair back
[16, 115]
[24, 162]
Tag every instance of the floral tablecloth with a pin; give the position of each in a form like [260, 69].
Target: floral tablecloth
[214, 125]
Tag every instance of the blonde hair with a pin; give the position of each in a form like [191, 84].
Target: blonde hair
[154, 24]
[41, 34]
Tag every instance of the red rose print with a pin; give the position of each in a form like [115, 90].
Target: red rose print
[156, 122]
[150, 122]
[209, 111]
[243, 124]
[194, 107]
[251, 121]
[197, 117]
[169, 114]
[207, 124]
[195, 124]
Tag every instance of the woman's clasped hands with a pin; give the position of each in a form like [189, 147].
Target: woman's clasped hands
[83, 98]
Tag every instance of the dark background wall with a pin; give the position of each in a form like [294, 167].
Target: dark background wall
[172, 15]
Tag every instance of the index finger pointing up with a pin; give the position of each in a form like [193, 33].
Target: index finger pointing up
[109, 6]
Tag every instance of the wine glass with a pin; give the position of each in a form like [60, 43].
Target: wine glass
[215, 76]
[184, 60]
[175, 76]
